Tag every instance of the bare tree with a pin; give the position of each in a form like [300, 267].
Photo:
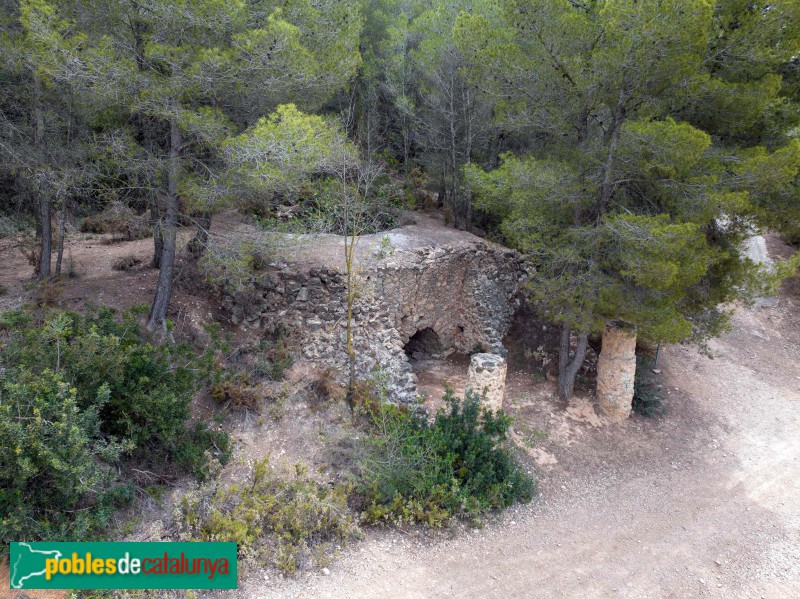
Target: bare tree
[357, 179]
[452, 120]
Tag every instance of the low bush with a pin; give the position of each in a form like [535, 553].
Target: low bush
[233, 266]
[120, 220]
[286, 521]
[648, 398]
[790, 234]
[55, 476]
[237, 395]
[318, 208]
[8, 227]
[78, 394]
[414, 471]
[126, 262]
[276, 356]
[326, 387]
[48, 292]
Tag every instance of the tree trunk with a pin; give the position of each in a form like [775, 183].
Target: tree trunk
[46, 248]
[62, 212]
[611, 137]
[198, 244]
[351, 353]
[158, 312]
[47, 237]
[467, 204]
[62, 217]
[158, 238]
[568, 370]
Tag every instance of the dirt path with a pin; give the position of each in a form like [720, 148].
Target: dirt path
[702, 502]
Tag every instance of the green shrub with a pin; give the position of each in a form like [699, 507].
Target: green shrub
[648, 399]
[77, 393]
[286, 521]
[150, 387]
[318, 208]
[234, 265]
[9, 227]
[413, 471]
[790, 233]
[54, 476]
[276, 356]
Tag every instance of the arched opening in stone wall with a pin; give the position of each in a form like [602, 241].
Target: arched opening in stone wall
[424, 345]
[436, 363]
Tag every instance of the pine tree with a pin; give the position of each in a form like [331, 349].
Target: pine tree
[640, 185]
[191, 74]
[40, 133]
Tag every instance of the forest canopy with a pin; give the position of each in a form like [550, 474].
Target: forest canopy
[627, 147]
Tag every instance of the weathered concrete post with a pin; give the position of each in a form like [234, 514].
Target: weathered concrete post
[616, 368]
[487, 373]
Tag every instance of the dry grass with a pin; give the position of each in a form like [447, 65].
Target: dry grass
[238, 396]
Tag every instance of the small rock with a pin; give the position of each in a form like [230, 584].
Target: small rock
[314, 324]
[326, 572]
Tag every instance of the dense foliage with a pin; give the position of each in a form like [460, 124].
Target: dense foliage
[628, 147]
[55, 466]
[415, 471]
[660, 135]
[82, 398]
[134, 100]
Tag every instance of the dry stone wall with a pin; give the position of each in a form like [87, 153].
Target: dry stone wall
[466, 293]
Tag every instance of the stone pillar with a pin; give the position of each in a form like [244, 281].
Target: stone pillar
[755, 248]
[487, 374]
[616, 368]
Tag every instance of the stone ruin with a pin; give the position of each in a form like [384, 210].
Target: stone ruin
[435, 292]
